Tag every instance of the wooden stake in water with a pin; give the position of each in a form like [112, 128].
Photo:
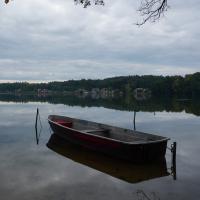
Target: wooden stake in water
[134, 120]
[173, 150]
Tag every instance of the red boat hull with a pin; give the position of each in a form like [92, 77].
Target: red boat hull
[138, 153]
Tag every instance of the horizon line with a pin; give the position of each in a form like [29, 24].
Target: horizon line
[48, 81]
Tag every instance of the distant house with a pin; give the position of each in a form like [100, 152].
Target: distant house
[18, 92]
[142, 93]
[81, 93]
[95, 93]
[106, 92]
[42, 92]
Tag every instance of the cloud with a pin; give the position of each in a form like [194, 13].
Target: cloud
[66, 41]
[45, 70]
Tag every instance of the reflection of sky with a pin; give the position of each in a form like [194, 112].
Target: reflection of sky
[29, 171]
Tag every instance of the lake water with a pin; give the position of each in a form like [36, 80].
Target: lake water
[33, 171]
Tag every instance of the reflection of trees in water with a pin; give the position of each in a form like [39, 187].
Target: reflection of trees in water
[129, 104]
[141, 195]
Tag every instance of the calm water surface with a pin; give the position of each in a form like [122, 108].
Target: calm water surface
[31, 171]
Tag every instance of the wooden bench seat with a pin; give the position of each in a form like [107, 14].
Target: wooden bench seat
[94, 130]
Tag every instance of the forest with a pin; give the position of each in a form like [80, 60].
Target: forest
[160, 86]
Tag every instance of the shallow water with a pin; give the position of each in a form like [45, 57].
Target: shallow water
[31, 171]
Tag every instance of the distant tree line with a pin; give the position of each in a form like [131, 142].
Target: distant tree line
[160, 86]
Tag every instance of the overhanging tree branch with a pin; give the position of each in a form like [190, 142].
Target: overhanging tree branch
[87, 3]
[151, 10]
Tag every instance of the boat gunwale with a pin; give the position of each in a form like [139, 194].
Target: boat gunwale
[107, 138]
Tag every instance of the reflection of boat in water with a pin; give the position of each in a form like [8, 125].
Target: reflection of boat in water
[123, 170]
[123, 143]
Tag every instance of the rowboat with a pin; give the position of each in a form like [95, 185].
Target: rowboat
[122, 143]
[125, 171]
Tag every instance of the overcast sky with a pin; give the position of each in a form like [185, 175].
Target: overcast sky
[44, 40]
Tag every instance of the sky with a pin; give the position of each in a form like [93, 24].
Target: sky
[45, 40]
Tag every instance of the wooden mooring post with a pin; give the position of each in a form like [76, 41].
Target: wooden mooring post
[173, 150]
[173, 167]
[134, 121]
